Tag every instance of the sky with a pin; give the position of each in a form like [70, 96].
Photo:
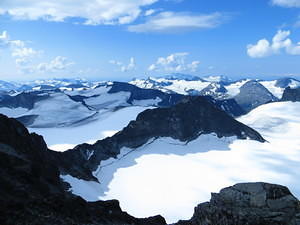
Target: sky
[125, 39]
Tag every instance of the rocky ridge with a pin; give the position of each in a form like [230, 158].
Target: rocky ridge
[31, 191]
[248, 203]
[185, 121]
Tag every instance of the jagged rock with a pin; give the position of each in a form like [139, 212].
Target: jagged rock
[23, 100]
[253, 94]
[248, 203]
[31, 191]
[290, 94]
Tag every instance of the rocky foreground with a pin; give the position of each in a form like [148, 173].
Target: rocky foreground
[248, 204]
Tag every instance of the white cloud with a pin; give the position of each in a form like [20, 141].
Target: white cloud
[4, 39]
[178, 22]
[18, 49]
[280, 41]
[286, 3]
[59, 63]
[24, 52]
[125, 68]
[174, 63]
[91, 11]
[149, 12]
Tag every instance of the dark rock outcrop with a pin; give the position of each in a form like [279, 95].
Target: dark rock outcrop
[230, 106]
[23, 100]
[290, 94]
[248, 203]
[253, 94]
[191, 117]
[31, 191]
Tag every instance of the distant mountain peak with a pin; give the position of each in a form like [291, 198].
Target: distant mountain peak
[181, 76]
[217, 79]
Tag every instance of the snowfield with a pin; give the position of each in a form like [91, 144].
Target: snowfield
[170, 178]
[103, 125]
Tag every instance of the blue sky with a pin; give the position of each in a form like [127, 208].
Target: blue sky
[122, 39]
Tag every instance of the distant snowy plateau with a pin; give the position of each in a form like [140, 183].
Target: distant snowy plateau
[164, 176]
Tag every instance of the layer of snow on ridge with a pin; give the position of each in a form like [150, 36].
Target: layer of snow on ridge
[147, 102]
[183, 86]
[64, 138]
[142, 83]
[108, 100]
[216, 79]
[271, 86]
[177, 86]
[85, 189]
[58, 110]
[234, 88]
[294, 84]
[88, 92]
[13, 112]
[170, 178]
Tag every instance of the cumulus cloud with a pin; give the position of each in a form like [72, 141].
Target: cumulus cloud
[280, 41]
[174, 63]
[19, 51]
[91, 11]
[286, 3]
[178, 22]
[123, 67]
[24, 57]
[59, 63]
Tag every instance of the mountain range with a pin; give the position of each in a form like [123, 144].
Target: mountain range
[179, 132]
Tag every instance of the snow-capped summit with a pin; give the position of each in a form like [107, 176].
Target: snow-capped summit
[218, 79]
[180, 76]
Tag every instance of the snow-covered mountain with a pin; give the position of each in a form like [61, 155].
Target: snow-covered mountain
[185, 86]
[186, 172]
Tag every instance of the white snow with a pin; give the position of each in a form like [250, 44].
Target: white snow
[170, 178]
[234, 88]
[85, 189]
[88, 92]
[13, 112]
[271, 86]
[108, 100]
[107, 124]
[58, 110]
[178, 86]
[147, 102]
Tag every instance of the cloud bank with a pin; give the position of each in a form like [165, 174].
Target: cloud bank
[92, 11]
[279, 43]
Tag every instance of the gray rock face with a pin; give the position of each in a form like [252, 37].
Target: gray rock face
[215, 90]
[248, 203]
[290, 94]
[253, 94]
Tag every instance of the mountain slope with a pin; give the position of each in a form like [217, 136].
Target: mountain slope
[253, 94]
[171, 177]
[31, 191]
[192, 117]
[290, 94]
